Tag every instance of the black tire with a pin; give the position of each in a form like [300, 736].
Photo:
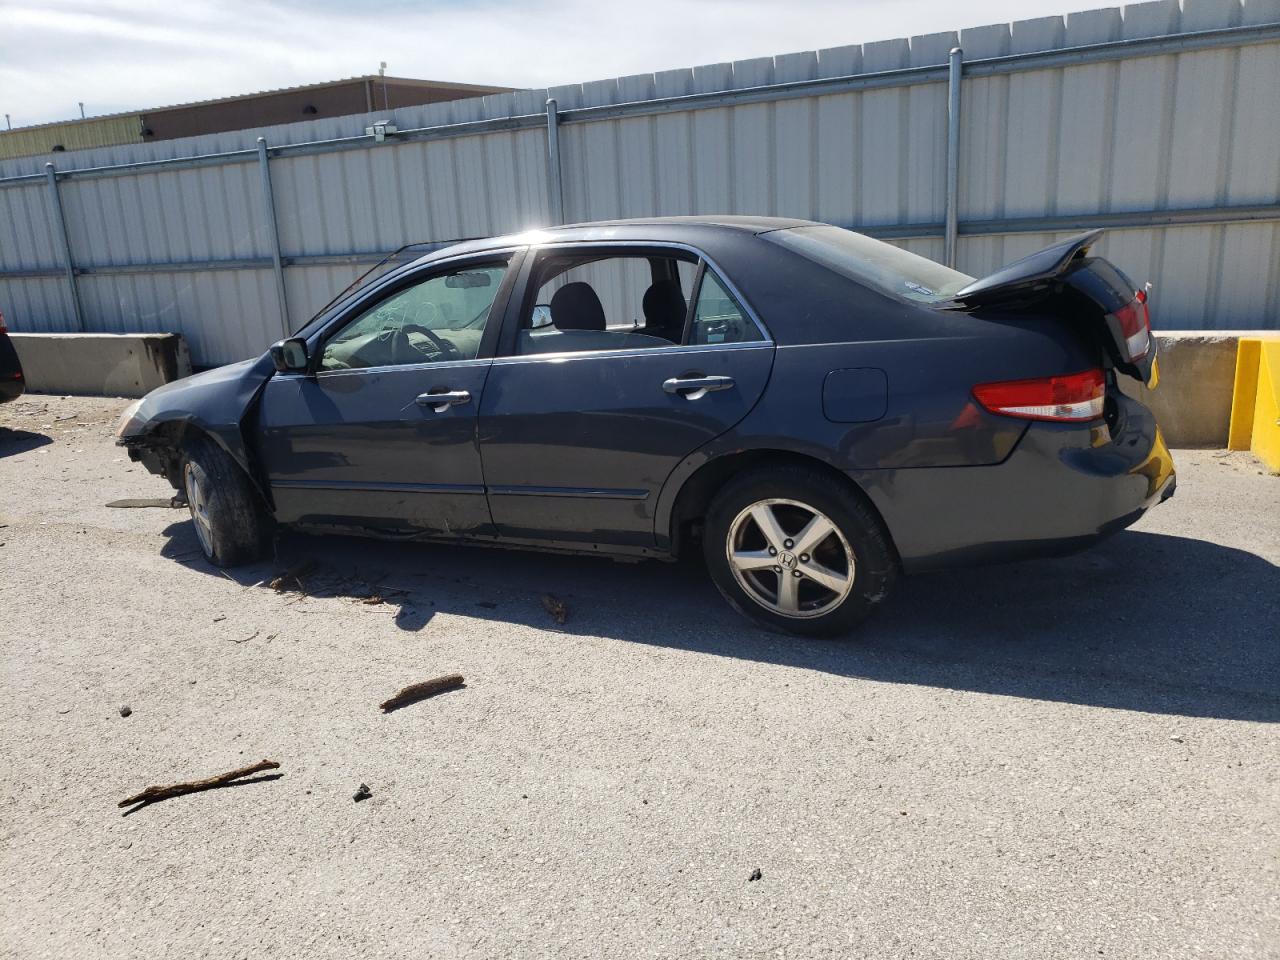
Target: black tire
[235, 528]
[787, 492]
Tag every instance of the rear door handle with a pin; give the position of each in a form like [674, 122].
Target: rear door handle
[695, 387]
[442, 401]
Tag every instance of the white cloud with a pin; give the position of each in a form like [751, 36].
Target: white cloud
[119, 56]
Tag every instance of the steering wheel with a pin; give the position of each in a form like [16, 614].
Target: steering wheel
[448, 350]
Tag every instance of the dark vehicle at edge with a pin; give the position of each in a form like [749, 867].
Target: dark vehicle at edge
[11, 380]
[819, 410]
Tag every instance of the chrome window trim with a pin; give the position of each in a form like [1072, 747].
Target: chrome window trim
[674, 350]
[385, 368]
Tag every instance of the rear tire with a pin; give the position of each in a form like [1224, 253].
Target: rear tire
[798, 551]
[228, 517]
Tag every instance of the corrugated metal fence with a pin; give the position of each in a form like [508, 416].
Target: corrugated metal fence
[1160, 121]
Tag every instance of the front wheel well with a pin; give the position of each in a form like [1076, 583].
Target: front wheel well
[164, 448]
[700, 489]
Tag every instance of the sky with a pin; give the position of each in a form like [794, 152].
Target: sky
[122, 55]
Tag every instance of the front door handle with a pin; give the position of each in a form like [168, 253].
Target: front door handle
[442, 401]
[694, 387]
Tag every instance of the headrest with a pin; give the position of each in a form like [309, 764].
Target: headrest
[575, 306]
[664, 308]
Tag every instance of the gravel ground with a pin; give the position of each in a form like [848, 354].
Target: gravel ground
[1064, 758]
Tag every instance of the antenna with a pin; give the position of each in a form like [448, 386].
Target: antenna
[81, 109]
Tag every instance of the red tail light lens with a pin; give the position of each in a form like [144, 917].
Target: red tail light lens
[1074, 397]
[1135, 327]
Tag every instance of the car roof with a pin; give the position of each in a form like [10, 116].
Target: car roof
[640, 229]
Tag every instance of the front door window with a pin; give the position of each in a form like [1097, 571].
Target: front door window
[439, 319]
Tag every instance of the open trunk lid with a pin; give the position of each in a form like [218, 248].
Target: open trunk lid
[1096, 291]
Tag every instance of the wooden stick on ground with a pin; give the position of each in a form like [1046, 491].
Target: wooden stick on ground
[420, 691]
[192, 786]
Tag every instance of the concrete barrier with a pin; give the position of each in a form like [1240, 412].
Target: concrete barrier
[1192, 401]
[101, 364]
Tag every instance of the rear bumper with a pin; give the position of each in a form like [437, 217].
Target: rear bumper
[1064, 488]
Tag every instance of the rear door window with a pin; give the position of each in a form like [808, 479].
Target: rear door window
[592, 301]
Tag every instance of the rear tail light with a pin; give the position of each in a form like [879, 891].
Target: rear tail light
[1073, 397]
[3, 328]
[1135, 327]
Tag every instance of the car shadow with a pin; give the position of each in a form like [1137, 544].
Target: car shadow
[1144, 621]
[13, 442]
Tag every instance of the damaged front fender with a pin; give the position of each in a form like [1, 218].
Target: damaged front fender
[215, 403]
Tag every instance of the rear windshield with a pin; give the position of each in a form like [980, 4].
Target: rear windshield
[874, 263]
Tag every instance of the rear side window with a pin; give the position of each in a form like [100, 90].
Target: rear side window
[718, 318]
[873, 263]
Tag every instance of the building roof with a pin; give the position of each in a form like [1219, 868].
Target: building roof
[478, 89]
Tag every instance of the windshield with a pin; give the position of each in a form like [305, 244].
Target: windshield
[874, 263]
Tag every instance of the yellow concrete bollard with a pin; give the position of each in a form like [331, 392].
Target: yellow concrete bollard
[1255, 401]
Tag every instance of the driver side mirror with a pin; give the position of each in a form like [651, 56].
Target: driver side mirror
[289, 354]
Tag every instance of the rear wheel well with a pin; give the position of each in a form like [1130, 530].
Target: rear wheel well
[700, 489]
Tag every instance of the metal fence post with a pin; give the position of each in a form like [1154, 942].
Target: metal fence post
[950, 229]
[554, 177]
[60, 221]
[273, 235]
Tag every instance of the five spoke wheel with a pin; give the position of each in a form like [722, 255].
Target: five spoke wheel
[790, 558]
[197, 499]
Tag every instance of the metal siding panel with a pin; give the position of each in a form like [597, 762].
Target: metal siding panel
[750, 152]
[673, 148]
[473, 196]
[926, 168]
[637, 155]
[881, 149]
[1253, 173]
[1203, 96]
[1184, 276]
[795, 148]
[838, 123]
[443, 190]
[1087, 137]
[414, 191]
[984, 151]
[1031, 141]
[712, 183]
[529, 148]
[500, 184]
[1144, 119]
[1250, 251]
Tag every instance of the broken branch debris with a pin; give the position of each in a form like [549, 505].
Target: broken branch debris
[293, 576]
[193, 786]
[420, 691]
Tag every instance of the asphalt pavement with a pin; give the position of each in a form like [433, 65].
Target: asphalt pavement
[1065, 758]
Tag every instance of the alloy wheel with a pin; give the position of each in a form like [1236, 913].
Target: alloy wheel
[195, 481]
[790, 558]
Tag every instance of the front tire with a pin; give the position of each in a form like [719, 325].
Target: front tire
[229, 520]
[797, 551]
